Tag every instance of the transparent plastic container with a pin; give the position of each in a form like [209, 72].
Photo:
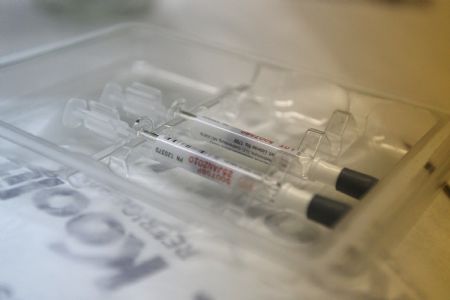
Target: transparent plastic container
[404, 145]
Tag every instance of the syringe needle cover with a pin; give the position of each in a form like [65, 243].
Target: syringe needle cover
[264, 150]
[175, 152]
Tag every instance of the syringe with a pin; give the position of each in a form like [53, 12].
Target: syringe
[264, 150]
[174, 152]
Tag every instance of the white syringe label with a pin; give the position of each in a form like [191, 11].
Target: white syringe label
[179, 154]
[243, 142]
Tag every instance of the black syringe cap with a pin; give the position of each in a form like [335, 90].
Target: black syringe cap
[354, 183]
[326, 211]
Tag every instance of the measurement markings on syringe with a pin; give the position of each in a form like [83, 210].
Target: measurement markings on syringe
[184, 155]
[257, 137]
[178, 153]
[164, 152]
[254, 146]
[211, 170]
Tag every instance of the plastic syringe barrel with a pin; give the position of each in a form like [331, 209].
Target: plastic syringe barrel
[177, 153]
[347, 181]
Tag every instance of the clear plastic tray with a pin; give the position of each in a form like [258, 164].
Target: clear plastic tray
[403, 145]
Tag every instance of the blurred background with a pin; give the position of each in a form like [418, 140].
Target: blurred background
[399, 48]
